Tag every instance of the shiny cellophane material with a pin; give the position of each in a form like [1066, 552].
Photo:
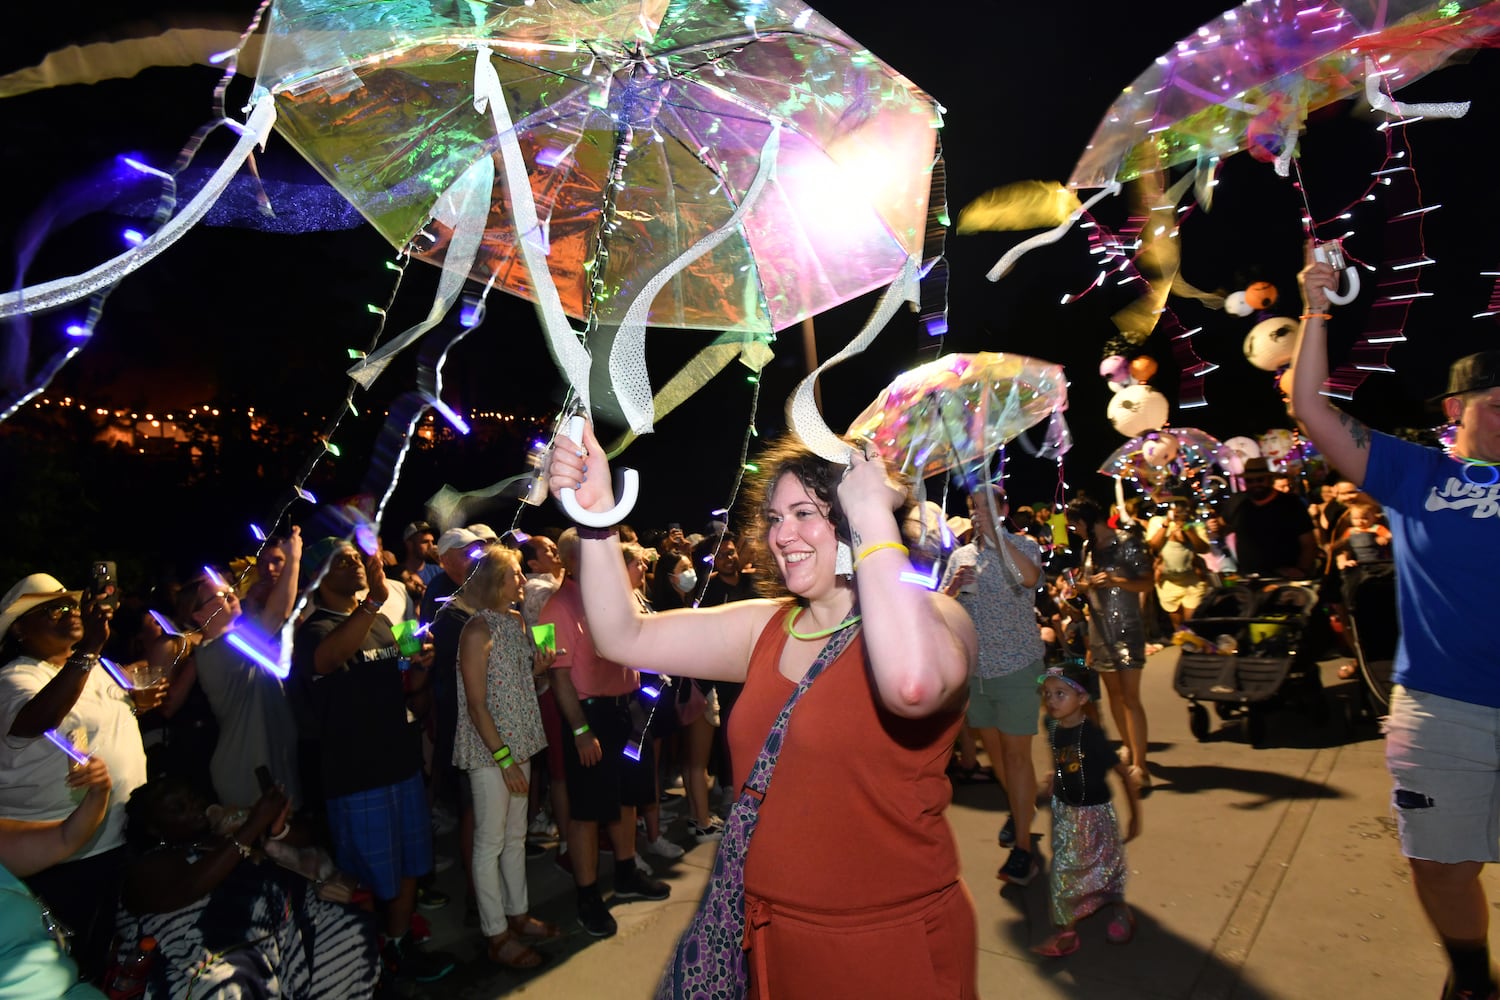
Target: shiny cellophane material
[1264, 65]
[641, 124]
[959, 409]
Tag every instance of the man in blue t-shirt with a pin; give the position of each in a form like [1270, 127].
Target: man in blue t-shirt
[1443, 733]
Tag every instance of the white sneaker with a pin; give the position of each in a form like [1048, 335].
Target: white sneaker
[642, 866]
[664, 848]
[702, 834]
[542, 827]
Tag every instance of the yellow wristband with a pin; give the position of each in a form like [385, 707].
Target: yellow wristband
[870, 550]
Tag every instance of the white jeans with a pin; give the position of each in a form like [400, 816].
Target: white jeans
[499, 848]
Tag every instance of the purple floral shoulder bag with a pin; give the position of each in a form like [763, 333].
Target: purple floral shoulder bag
[709, 963]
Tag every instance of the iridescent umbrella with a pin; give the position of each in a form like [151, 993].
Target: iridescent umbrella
[960, 409]
[730, 165]
[1249, 78]
[1180, 452]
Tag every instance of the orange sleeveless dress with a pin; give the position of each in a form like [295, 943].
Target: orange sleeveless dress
[852, 882]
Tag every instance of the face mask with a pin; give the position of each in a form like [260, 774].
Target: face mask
[686, 581]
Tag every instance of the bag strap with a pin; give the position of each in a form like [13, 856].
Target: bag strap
[760, 775]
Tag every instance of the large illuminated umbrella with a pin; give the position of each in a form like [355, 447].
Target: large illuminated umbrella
[725, 165]
[1249, 78]
[960, 409]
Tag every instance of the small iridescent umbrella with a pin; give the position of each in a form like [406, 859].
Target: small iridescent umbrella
[1176, 451]
[959, 410]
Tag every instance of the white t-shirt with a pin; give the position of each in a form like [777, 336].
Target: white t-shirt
[35, 772]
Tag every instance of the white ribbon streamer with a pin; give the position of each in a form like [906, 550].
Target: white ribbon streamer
[61, 291]
[465, 208]
[1015, 253]
[563, 341]
[1381, 101]
[802, 414]
[627, 358]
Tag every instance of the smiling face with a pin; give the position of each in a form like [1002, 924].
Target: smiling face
[511, 582]
[801, 538]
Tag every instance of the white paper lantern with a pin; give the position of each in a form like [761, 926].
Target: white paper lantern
[1138, 408]
[1272, 343]
[1241, 449]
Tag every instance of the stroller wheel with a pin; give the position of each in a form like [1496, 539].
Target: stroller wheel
[1225, 710]
[1198, 722]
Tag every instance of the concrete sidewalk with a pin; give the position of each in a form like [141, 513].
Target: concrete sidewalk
[1272, 873]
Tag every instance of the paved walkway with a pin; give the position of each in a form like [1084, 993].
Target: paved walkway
[1271, 873]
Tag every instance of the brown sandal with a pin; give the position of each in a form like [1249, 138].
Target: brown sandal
[513, 953]
[532, 929]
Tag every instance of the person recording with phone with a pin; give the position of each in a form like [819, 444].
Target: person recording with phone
[50, 639]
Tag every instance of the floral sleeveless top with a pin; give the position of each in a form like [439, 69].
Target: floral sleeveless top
[509, 695]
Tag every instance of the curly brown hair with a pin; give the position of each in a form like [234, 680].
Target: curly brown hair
[787, 455]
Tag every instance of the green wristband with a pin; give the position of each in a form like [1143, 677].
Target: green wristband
[502, 757]
[581, 729]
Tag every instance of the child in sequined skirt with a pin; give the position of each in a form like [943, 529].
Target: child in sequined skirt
[1088, 854]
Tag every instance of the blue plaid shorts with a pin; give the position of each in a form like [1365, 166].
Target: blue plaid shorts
[383, 835]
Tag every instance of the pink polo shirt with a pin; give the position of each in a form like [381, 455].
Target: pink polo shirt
[593, 676]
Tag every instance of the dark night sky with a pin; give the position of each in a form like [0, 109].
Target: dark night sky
[266, 318]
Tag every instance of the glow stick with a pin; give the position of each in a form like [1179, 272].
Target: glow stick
[66, 746]
[114, 671]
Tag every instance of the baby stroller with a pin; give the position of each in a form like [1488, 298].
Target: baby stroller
[1263, 660]
[1370, 597]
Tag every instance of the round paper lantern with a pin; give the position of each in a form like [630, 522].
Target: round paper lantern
[1272, 343]
[1235, 304]
[1137, 409]
[1241, 449]
[1159, 449]
[1261, 295]
[1142, 368]
[1115, 368]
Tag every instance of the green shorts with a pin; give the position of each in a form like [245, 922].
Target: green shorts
[1010, 703]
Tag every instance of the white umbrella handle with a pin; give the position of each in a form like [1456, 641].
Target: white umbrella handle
[630, 488]
[1332, 253]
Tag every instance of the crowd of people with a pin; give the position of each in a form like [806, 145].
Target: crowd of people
[174, 779]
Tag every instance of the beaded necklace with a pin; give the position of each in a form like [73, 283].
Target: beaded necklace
[1058, 766]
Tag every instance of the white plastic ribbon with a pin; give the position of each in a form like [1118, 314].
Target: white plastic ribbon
[1381, 101]
[61, 291]
[465, 208]
[563, 341]
[627, 358]
[1004, 264]
[802, 414]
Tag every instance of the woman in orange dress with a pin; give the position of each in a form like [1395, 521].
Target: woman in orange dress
[852, 874]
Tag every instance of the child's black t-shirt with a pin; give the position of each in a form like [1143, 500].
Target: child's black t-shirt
[1081, 762]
